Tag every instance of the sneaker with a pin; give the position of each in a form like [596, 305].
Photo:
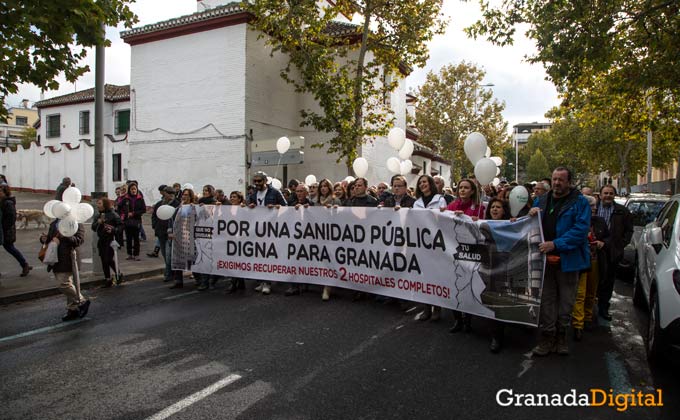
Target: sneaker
[436, 313]
[83, 308]
[545, 346]
[578, 334]
[293, 290]
[266, 289]
[70, 315]
[326, 294]
[259, 287]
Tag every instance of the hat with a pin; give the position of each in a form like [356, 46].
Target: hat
[169, 189]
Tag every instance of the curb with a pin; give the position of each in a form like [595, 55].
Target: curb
[89, 284]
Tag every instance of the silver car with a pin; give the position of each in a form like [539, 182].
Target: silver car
[657, 279]
[644, 208]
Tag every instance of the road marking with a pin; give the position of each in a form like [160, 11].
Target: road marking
[193, 398]
[42, 330]
[618, 374]
[182, 295]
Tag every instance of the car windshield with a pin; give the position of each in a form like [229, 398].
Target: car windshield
[644, 211]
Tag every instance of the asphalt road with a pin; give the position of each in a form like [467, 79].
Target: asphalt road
[148, 352]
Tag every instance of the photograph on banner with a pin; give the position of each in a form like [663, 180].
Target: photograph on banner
[487, 268]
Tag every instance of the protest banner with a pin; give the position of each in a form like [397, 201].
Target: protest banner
[487, 268]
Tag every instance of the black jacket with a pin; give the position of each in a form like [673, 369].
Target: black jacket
[620, 231]
[272, 196]
[160, 227]
[406, 201]
[106, 235]
[365, 201]
[126, 206]
[9, 220]
[66, 245]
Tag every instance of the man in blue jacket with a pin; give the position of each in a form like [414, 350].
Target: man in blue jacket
[566, 221]
[264, 195]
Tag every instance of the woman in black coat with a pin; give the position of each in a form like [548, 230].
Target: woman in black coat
[9, 230]
[106, 226]
[131, 208]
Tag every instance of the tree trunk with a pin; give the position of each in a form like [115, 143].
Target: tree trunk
[676, 190]
[358, 82]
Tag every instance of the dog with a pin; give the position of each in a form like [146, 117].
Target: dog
[37, 216]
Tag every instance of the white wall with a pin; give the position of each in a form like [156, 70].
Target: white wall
[188, 110]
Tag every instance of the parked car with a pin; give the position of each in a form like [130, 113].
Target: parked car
[657, 279]
[644, 208]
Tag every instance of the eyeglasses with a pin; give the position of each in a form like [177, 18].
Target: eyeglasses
[257, 181]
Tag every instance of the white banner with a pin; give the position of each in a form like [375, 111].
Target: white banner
[487, 268]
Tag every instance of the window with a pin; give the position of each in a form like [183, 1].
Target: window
[53, 125]
[122, 121]
[117, 167]
[668, 223]
[21, 121]
[84, 122]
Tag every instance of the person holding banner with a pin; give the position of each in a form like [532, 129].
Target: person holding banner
[468, 203]
[235, 199]
[302, 200]
[181, 251]
[428, 198]
[399, 197]
[326, 196]
[268, 196]
[566, 224]
[160, 228]
[340, 192]
[359, 198]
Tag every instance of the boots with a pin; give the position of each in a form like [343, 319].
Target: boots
[326, 294]
[155, 252]
[545, 346]
[25, 270]
[562, 347]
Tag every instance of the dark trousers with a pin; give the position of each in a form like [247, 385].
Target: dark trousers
[108, 260]
[132, 240]
[167, 254]
[557, 299]
[605, 288]
[15, 253]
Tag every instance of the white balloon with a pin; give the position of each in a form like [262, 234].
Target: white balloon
[71, 196]
[518, 199]
[498, 171]
[475, 147]
[498, 161]
[83, 212]
[47, 208]
[393, 165]
[282, 145]
[311, 179]
[349, 178]
[406, 150]
[360, 167]
[68, 226]
[495, 182]
[485, 170]
[405, 167]
[61, 209]
[187, 186]
[165, 212]
[269, 180]
[276, 184]
[488, 152]
[396, 138]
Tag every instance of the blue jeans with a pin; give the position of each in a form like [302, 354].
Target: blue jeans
[15, 253]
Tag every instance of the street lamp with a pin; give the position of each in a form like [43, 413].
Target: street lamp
[516, 154]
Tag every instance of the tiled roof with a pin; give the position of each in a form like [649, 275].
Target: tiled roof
[334, 28]
[112, 93]
[220, 11]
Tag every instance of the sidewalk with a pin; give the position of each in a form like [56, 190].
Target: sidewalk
[37, 284]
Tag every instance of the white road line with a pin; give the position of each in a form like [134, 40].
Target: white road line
[193, 398]
[182, 295]
[42, 330]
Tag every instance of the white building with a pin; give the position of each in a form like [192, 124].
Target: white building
[203, 90]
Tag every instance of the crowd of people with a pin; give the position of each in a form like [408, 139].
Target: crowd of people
[584, 234]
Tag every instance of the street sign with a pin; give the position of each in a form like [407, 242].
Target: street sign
[269, 145]
[269, 158]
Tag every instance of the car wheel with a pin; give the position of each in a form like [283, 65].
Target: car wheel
[654, 344]
[638, 295]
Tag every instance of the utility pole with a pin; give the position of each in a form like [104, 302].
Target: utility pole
[649, 145]
[99, 187]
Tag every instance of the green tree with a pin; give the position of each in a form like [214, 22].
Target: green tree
[537, 167]
[28, 136]
[633, 41]
[42, 39]
[452, 104]
[349, 69]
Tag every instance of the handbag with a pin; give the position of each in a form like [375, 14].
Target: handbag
[41, 253]
[132, 223]
[51, 254]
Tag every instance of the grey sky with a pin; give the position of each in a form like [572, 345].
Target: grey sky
[520, 85]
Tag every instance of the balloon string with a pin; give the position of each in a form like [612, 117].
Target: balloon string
[276, 172]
